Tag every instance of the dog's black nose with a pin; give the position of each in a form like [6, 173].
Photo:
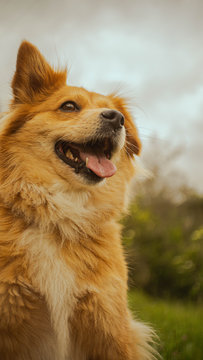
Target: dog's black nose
[113, 118]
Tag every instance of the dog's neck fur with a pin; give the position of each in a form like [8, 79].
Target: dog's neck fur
[72, 214]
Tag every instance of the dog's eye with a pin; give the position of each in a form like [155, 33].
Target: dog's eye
[69, 106]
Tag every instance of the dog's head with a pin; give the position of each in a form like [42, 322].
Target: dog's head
[56, 132]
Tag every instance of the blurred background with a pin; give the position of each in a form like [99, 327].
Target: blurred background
[150, 52]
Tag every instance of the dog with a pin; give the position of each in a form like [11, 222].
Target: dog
[66, 163]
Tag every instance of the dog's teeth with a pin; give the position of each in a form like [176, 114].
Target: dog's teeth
[69, 154]
[86, 161]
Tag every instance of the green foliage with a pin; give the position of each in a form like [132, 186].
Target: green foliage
[178, 326]
[164, 244]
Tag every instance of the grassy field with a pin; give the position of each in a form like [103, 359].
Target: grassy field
[179, 326]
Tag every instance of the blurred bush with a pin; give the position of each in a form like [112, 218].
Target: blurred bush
[163, 238]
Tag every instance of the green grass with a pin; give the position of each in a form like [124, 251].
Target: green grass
[179, 326]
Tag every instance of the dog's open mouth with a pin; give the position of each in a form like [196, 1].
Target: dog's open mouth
[91, 159]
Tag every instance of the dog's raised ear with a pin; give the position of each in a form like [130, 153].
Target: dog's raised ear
[34, 77]
[133, 143]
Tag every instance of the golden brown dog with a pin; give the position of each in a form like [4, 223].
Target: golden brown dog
[66, 161]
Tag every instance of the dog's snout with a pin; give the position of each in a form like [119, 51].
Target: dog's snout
[113, 118]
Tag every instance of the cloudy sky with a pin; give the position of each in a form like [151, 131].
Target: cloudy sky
[149, 50]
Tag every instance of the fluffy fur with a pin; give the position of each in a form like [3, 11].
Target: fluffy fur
[63, 277]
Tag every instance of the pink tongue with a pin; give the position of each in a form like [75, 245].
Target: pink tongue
[99, 164]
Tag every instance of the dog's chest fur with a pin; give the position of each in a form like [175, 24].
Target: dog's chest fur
[52, 278]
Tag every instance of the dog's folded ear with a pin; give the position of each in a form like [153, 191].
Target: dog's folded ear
[133, 143]
[34, 77]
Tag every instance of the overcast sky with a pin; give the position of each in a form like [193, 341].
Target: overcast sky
[150, 50]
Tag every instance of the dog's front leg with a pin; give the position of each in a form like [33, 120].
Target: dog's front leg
[101, 330]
